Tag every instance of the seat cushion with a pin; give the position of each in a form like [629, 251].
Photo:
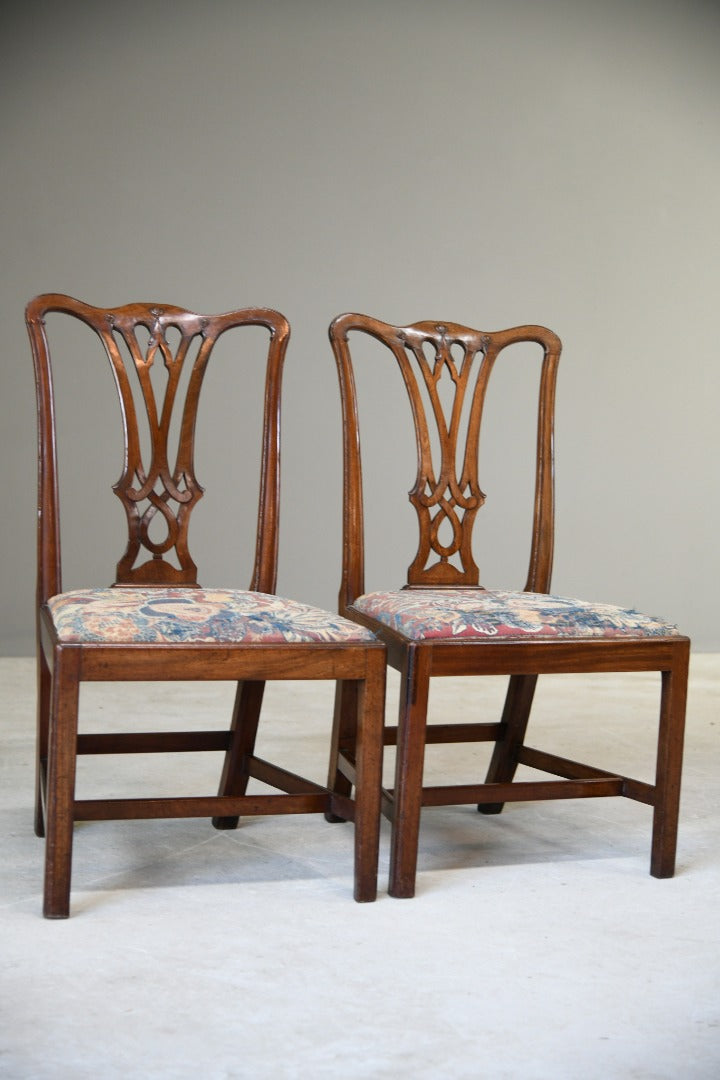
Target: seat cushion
[424, 614]
[199, 616]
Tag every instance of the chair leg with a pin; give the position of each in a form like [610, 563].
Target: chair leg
[344, 736]
[515, 717]
[669, 767]
[369, 757]
[410, 759]
[62, 758]
[246, 716]
[44, 687]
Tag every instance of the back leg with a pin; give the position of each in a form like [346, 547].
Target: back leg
[668, 770]
[245, 720]
[515, 717]
[44, 690]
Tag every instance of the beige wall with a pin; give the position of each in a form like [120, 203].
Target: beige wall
[487, 162]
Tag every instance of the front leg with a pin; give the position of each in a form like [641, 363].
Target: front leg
[62, 758]
[409, 765]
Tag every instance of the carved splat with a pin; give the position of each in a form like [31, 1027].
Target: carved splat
[158, 356]
[159, 487]
[446, 493]
[446, 370]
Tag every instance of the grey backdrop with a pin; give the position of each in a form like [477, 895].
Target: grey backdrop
[485, 162]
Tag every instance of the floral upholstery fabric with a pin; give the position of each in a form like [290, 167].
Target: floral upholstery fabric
[197, 616]
[422, 614]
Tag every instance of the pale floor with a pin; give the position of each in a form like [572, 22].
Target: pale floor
[537, 946]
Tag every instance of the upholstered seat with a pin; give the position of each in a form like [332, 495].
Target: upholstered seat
[194, 616]
[425, 614]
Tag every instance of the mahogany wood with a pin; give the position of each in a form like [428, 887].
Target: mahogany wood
[135, 338]
[447, 490]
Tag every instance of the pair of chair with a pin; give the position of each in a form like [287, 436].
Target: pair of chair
[157, 623]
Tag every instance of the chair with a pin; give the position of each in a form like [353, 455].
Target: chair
[157, 623]
[444, 623]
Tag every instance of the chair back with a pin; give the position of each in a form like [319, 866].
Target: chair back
[158, 356]
[446, 369]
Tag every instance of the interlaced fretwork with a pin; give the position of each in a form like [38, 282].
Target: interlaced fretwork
[449, 495]
[158, 486]
[158, 356]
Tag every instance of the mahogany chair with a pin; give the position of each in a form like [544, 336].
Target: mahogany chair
[443, 622]
[157, 623]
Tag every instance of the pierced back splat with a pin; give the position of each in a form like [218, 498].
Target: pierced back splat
[158, 486]
[446, 369]
[449, 495]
